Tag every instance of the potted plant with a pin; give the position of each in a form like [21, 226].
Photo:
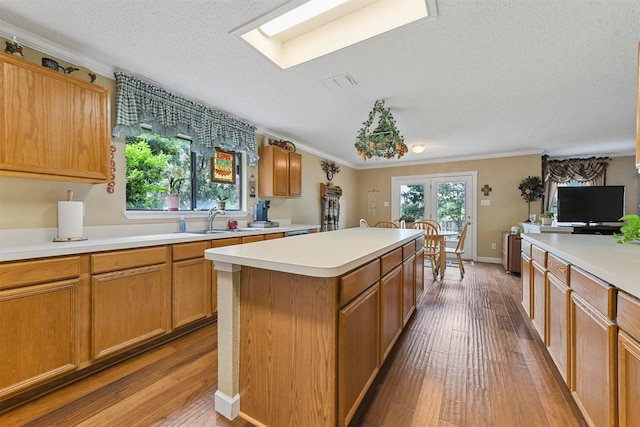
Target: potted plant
[547, 218]
[531, 189]
[175, 177]
[222, 201]
[631, 231]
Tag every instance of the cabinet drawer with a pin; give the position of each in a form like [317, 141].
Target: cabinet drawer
[16, 274]
[250, 239]
[525, 247]
[358, 280]
[408, 249]
[420, 242]
[539, 255]
[121, 260]
[390, 260]
[218, 243]
[273, 236]
[594, 291]
[628, 316]
[558, 268]
[189, 250]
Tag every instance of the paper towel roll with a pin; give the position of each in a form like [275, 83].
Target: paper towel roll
[70, 220]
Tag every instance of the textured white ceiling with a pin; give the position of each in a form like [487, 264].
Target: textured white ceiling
[486, 78]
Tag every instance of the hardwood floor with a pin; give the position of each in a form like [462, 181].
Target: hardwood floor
[466, 359]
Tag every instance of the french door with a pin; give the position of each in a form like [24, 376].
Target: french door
[449, 198]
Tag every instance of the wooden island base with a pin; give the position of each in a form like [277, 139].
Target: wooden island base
[306, 348]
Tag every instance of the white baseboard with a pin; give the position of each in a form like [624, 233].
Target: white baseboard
[227, 406]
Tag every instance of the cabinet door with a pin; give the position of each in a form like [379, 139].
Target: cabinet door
[295, 175]
[628, 379]
[593, 363]
[358, 347]
[191, 288]
[53, 126]
[37, 336]
[390, 310]
[408, 288]
[280, 173]
[419, 273]
[129, 307]
[558, 342]
[526, 284]
[539, 301]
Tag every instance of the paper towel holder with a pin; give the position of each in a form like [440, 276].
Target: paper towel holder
[69, 239]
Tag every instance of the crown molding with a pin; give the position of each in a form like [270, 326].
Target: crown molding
[43, 45]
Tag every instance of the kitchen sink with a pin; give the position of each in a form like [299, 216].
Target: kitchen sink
[208, 231]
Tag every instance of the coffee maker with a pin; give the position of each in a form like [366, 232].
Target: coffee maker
[262, 208]
[261, 217]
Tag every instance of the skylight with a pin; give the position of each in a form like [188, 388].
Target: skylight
[296, 16]
[346, 23]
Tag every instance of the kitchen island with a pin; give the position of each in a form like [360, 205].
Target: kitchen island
[305, 323]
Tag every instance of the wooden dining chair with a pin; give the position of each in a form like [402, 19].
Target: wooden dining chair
[433, 222]
[431, 246]
[364, 223]
[459, 249]
[386, 224]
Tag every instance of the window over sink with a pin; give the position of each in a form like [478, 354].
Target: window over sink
[164, 174]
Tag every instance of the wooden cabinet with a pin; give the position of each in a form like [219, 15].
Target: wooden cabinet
[191, 284]
[419, 273]
[390, 310]
[511, 252]
[279, 172]
[538, 299]
[527, 289]
[52, 126]
[558, 330]
[628, 319]
[408, 288]
[593, 349]
[131, 294]
[359, 356]
[40, 321]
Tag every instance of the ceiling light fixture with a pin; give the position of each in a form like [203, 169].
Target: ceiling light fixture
[297, 16]
[385, 140]
[418, 148]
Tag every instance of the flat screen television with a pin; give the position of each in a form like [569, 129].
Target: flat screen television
[591, 204]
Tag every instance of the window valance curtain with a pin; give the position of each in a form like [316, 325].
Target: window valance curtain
[591, 171]
[139, 101]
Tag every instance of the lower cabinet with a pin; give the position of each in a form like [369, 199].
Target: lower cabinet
[408, 288]
[41, 322]
[358, 346]
[628, 319]
[558, 330]
[390, 310]
[131, 303]
[628, 379]
[525, 276]
[191, 284]
[538, 289]
[593, 361]
[419, 273]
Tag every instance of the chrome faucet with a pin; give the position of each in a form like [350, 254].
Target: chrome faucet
[213, 213]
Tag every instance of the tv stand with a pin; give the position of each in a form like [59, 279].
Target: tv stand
[607, 230]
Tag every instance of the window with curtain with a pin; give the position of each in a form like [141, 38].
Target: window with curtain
[591, 171]
[161, 164]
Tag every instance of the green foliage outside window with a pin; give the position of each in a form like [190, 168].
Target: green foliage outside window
[158, 167]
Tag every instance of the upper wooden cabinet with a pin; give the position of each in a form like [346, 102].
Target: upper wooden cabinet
[52, 125]
[279, 172]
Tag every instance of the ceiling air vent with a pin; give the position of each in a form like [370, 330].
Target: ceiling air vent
[341, 81]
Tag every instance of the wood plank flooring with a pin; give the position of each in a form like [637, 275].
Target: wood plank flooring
[467, 359]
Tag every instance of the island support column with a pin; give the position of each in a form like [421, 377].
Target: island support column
[227, 398]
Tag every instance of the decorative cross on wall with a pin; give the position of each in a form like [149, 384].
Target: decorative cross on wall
[486, 189]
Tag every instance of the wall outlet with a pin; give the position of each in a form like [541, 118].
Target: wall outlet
[494, 246]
